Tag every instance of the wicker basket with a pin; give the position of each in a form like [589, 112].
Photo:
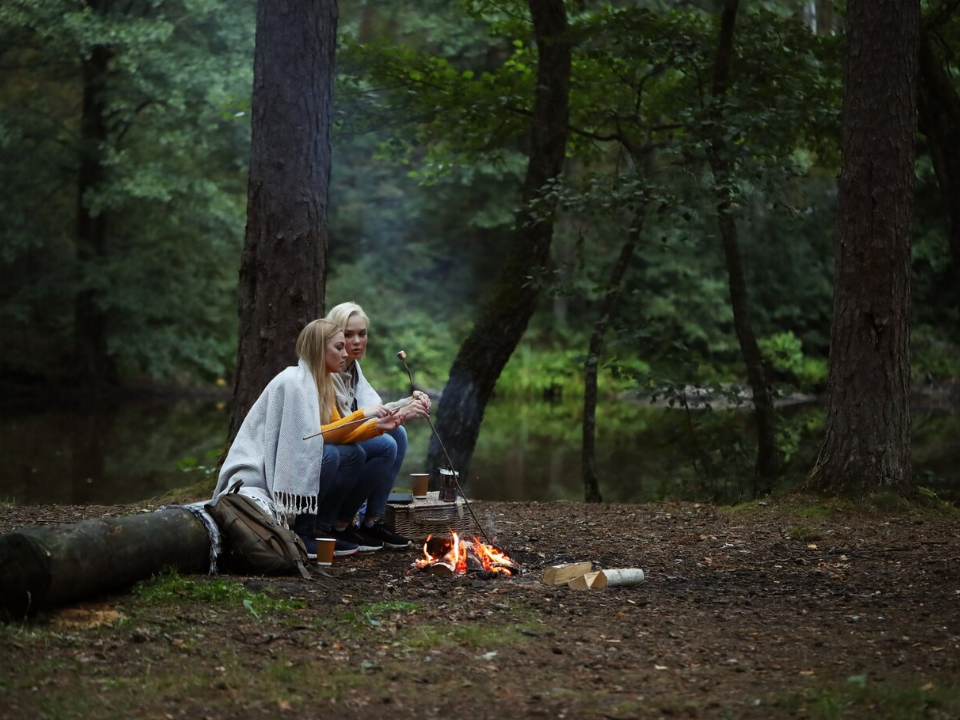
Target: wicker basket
[428, 515]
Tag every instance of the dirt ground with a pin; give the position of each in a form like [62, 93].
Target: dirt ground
[792, 608]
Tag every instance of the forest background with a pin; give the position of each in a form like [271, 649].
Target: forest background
[121, 239]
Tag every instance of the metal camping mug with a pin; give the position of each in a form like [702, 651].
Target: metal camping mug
[448, 485]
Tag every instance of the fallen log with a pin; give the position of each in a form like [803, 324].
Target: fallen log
[42, 567]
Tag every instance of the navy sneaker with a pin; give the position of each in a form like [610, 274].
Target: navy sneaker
[343, 548]
[359, 539]
[311, 544]
[379, 531]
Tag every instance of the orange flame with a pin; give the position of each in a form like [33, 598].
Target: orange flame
[489, 557]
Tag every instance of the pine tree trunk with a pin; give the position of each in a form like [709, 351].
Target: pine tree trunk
[867, 441]
[939, 117]
[90, 324]
[283, 266]
[768, 456]
[43, 567]
[503, 319]
[591, 484]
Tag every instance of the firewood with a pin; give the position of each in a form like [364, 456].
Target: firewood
[562, 574]
[441, 568]
[588, 581]
[607, 578]
[623, 576]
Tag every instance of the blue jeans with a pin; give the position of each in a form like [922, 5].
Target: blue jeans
[342, 465]
[339, 472]
[380, 482]
[367, 462]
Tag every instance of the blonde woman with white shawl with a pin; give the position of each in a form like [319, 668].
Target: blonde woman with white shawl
[290, 474]
[354, 392]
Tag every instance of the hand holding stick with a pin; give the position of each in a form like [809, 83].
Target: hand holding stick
[456, 476]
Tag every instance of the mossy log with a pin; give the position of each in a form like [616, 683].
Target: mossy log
[42, 567]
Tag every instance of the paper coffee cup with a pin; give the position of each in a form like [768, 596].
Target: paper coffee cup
[325, 548]
[419, 483]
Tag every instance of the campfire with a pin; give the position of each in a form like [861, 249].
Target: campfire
[456, 556]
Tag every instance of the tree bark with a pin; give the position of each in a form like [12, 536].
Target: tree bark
[43, 567]
[591, 484]
[768, 456]
[867, 441]
[283, 266]
[504, 318]
[90, 325]
[939, 118]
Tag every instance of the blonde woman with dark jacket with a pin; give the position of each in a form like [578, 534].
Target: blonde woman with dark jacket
[354, 392]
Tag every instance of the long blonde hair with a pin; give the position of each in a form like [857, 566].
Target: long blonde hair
[312, 348]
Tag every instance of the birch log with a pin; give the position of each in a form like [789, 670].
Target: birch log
[607, 578]
[42, 567]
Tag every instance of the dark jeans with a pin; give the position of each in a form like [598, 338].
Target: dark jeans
[339, 473]
[382, 485]
[366, 466]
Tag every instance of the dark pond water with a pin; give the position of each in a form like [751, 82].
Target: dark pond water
[127, 452]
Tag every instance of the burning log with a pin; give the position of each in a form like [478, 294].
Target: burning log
[563, 574]
[443, 569]
[607, 578]
[455, 556]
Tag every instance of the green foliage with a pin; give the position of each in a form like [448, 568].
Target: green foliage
[932, 357]
[784, 353]
[172, 180]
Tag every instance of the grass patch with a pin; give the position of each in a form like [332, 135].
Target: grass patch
[860, 699]
[372, 612]
[170, 588]
[200, 490]
[805, 533]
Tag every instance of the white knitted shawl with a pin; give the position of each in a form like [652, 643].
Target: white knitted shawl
[269, 453]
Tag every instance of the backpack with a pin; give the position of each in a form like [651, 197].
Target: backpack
[253, 542]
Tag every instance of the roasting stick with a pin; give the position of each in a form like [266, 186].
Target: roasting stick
[359, 420]
[456, 476]
[352, 422]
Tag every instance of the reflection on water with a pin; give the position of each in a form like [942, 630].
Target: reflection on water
[104, 453]
[126, 452]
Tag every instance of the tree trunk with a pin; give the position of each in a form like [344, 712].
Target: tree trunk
[768, 456]
[867, 441]
[44, 567]
[283, 266]
[90, 326]
[504, 317]
[591, 484]
[939, 117]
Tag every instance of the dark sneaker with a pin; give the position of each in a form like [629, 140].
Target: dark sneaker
[344, 547]
[311, 544]
[385, 535]
[363, 543]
